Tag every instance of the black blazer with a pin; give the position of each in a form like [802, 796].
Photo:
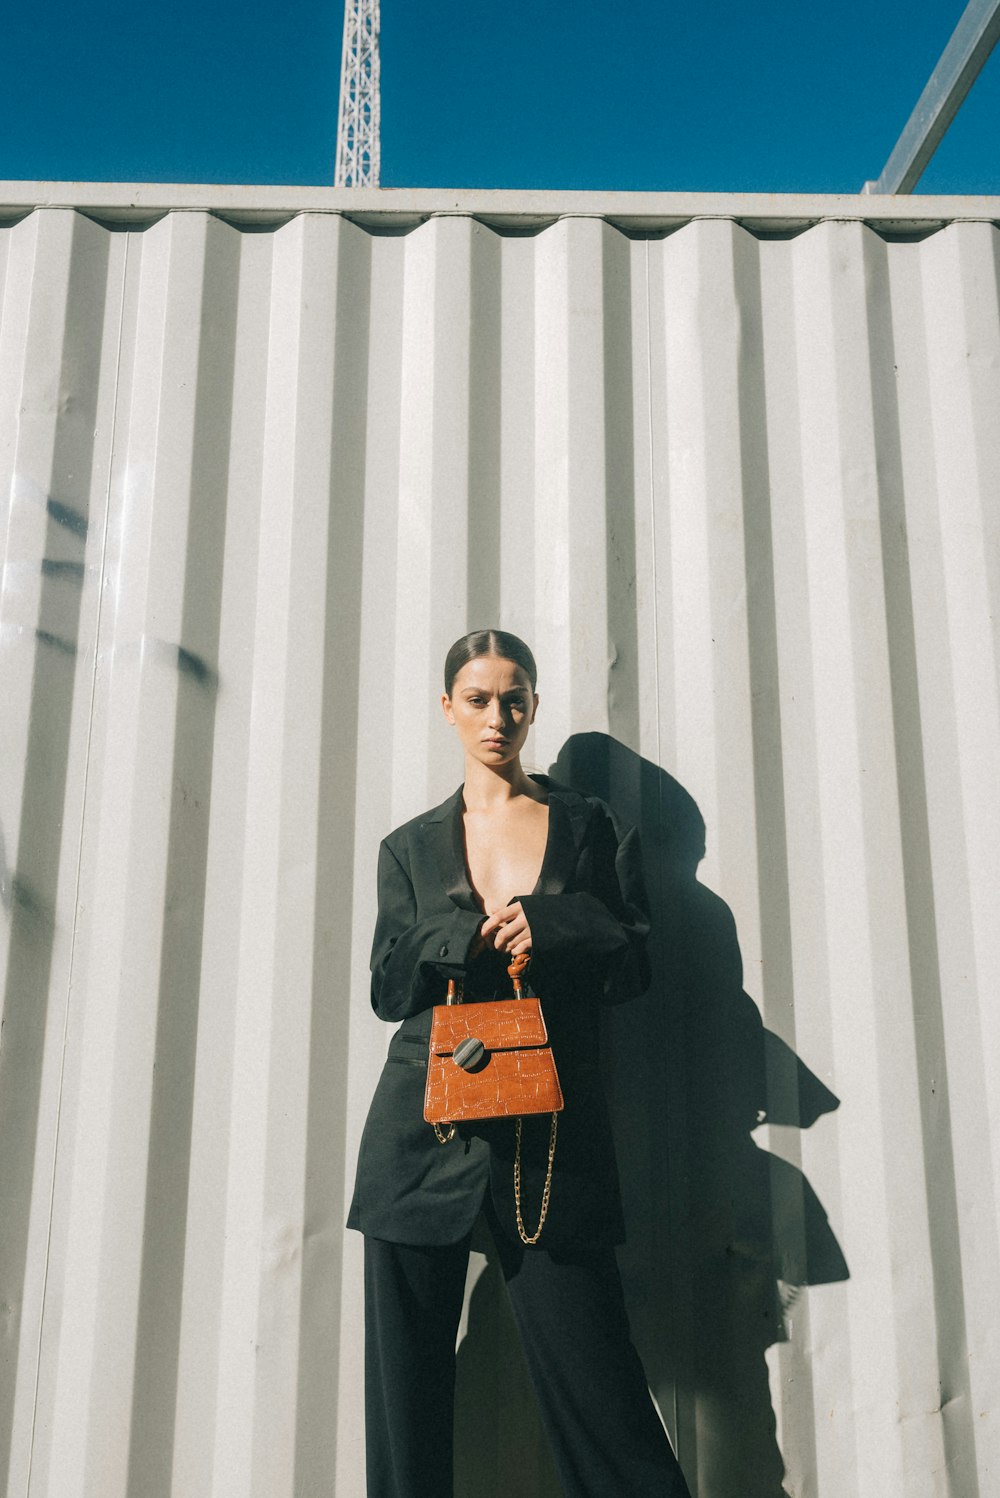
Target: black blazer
[588, 919]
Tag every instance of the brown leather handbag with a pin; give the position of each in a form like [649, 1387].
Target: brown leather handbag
[492, 1060]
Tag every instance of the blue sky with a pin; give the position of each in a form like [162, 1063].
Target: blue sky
[721, 96]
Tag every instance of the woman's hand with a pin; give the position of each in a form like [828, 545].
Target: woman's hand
[508, 930]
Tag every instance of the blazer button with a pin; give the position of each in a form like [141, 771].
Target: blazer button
[443, 952]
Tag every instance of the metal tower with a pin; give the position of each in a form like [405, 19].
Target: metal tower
[358, 120]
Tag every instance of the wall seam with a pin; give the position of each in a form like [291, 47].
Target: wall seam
[652, 516]
[675, 1411]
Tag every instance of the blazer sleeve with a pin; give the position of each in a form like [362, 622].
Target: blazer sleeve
[605, 924]
[411, 958]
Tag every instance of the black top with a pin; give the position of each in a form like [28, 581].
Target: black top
[589, 922]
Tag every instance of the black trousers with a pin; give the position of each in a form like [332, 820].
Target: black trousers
[606, 1436]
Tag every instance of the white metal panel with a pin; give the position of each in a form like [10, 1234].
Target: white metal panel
[60, 344]
[740, 494]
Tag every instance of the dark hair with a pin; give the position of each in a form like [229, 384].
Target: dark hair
[488, 642]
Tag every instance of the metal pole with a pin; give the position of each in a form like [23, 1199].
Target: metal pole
[971, 43]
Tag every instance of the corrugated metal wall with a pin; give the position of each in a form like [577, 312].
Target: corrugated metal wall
[741, 494]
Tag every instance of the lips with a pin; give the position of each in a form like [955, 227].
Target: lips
[495, 743]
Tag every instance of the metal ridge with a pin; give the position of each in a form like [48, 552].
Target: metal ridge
[406, 207]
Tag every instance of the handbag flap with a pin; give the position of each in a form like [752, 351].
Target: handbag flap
[501, 1025]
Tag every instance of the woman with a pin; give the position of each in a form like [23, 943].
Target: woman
[509, 864]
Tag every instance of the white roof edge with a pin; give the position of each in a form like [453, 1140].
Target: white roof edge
[125, 200]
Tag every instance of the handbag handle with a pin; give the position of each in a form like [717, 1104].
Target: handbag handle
[517, 967]
[514, 971]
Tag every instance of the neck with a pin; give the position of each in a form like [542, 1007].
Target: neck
[486, 788]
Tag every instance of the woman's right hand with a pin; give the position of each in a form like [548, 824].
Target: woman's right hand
[508, 930]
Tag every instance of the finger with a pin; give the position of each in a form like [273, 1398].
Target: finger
[514, 940]
[508, 912]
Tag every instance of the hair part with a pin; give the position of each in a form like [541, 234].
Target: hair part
[488, 642]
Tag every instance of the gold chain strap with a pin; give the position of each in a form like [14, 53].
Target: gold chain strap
[442, 1136]
[547, 1189]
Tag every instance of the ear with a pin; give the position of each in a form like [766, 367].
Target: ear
[447, 708]
[534, 709]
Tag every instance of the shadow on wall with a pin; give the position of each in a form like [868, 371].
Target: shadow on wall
[722, 1234]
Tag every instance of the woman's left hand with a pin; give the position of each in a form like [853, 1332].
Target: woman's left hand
[508, 930]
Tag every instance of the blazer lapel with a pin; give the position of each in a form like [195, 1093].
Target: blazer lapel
[568, 814]
[442, 829]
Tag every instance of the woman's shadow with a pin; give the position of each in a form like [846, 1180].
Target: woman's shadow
[722, 1235]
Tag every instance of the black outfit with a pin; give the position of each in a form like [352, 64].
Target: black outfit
[416, 1200]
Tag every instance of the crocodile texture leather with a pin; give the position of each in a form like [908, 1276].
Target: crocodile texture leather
[518, 1073]
[501, 1024]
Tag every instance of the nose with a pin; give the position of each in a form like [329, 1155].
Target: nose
[495, 714]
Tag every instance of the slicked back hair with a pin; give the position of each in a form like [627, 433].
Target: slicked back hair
[488, 642]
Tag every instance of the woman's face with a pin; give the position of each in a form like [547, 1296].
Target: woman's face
[492, 706]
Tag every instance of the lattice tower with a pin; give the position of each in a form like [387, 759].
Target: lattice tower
[358, 120]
